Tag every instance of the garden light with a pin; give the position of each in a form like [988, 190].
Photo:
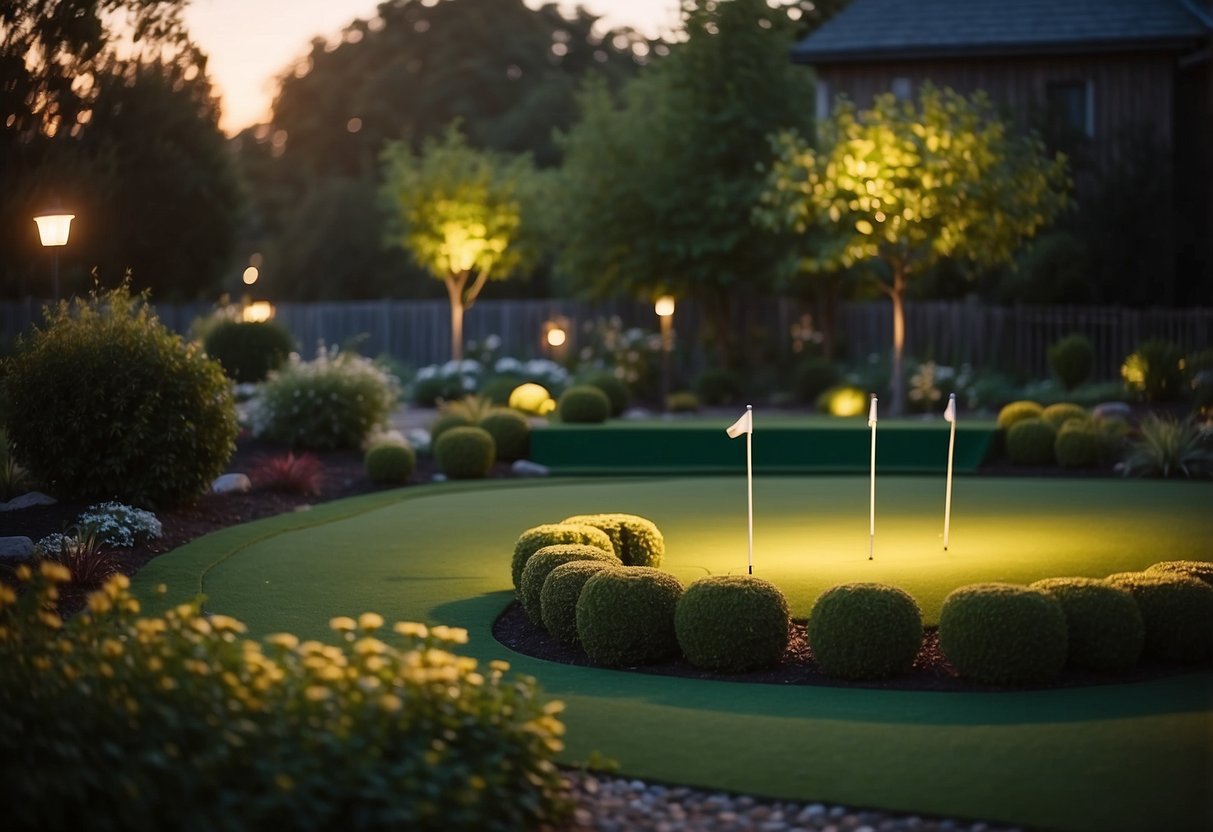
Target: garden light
[556, 337]
[250, 275]
[258, 312]
[664, 307]
[54, 226]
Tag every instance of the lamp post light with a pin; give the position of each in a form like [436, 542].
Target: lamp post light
[54, 226]
[664, 307]
[556, 338]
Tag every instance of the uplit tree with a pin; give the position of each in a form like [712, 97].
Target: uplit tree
[458, 212]
[909, 185]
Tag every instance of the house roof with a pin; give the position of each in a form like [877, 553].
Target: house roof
[907, 29]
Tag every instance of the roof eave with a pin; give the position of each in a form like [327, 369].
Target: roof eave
[923, 53]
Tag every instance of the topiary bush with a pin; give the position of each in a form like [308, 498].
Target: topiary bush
[1017, 412]
[1178, 614]
[1104, 628]
[466, 453]
[1199, 569]
[390, 463]
[558, 598]
[1078, 444]
[549, 534]
[533, 399]
[844, 400]
[814, 376]
[1062, 412]
[636, 540]
[625, 616]
[616, 391]
[717, 386]
[1154, 372]
[1072, 359]
[682, 401]
[1002, 634]
[445, 420]
[583, 404]
[510, 431]
[249, 350]
[865, 631]
[732, 623]
[104, 402]
[1030, 442]
[541, 564]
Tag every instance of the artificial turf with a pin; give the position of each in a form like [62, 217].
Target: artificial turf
[1112, 757]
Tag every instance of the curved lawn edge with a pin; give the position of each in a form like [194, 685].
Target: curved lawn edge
[1112, 757]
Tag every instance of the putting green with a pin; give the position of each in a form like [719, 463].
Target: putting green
[1130, 756]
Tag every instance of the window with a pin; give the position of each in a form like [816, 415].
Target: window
[902, 89]
[823, 100]
[1071, 108]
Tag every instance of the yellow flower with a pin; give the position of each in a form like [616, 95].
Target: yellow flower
[370, 621]
[111, 648]
[24, 573]
[454, 635]
[225, 623]
[342, 624]
[390, 702]
[317, 693]
[50, 619]
[367, 646]
[201, 625]
[7, 595]
[287, 641]
[99, 604]
[284, 782]
[161, 589]
[55, 571]
[411, 628]
[499, 665]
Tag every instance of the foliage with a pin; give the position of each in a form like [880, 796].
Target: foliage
[541, 564]
[1002, 634]
[1178, 614]
[1018, 411]
[843, 400]
[187, 712]
[717, 386]
[1104, 627]
[616, 390]
[453, 380]
[929, 387]
[1072, 359]
[1061, 412]
[625, 616]
[390, 463]
[1170, 448]
[88, 565]
[682, 401]
[631, 354]
[465, 453]
[118, 525]
[910, 185]
[249, 350]
[814, 376]
[636, 540]
[549, 534]
[1030, 442]
[439, 383]
[865, 631]
[14, 479]
[446, 420]
[510, 431]
[1199, 569]
[558, 598]
[104, 401]
[290, 474]
[1078, 444]
[583, 404]
[732, 623]
[1154, 372]
[335, 401]
[532, 398]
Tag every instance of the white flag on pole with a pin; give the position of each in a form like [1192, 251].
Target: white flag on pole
[872, 414]
[743, 425]
[949, 413]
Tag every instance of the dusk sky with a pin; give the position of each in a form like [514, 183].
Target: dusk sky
[250, 43]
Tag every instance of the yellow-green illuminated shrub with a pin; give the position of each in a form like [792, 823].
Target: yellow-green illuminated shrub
[1178, 614]
[1072, 359]
[510, 431]
[1018, 411]
[117, 721]
[466, 453]
[1200, 569]
[390, 463]
[532, 398]
[1030, 442]
[1003, 634]
[583, 404]
[446, 420]
[636, 540]
[549, 534]
[843, 401]
[616, 391]
[1062, 412]
[1155, 372]
[558, 598]
[865, 631]
[682, 401]
[541, 564]
[1078, 444]
[1104, 628]
[732, 623]
[625, 616]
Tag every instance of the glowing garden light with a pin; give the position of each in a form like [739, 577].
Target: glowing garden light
[746, 425]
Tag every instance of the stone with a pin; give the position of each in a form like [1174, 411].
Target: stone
[232, 484]
[16, 548]
[33, 498]
[1111, 410]
[526, 468]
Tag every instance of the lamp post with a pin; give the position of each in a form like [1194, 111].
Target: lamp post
[664, 307]
[54, 225]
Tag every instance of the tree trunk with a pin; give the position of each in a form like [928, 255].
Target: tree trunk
[454, 290]
[897, 382]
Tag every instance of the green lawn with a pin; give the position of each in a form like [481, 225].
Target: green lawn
[1113, 757]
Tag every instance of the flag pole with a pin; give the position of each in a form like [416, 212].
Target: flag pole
[749, 483]
[950, 415]
[872, 497]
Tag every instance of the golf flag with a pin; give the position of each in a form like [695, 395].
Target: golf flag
[950, 415]
[746, 425]
[872, 498]
[743, 425]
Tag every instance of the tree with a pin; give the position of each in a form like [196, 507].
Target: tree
[910, 185]
[458, 212]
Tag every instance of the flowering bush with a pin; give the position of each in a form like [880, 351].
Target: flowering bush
[436, 383]
[170, 722]
[633, 355]
[112, 525]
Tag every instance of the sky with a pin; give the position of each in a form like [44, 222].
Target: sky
[250, 42]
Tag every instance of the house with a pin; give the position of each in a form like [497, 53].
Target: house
[1096, 77]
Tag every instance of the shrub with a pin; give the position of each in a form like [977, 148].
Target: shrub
[583, 404]
[290, 474]
[616, 391]
[636, 541]
[682, 401]
[846, 400]
[335, 401]
[732, 623]
[249, 350]
[439, 383]
[390, 463]
[1178, 614]
[541, 564]
[549, 534]
[1030, 442]
[1170, 448]
[1062, 412]
[1017, 412]
[117, 525]
[625, 616]
[1104, 628]
[1077, 444]
[87, 564]
[813, 377]
[533, 399]
[105, 402]
[1199, 569]
[497, 389]
[510, 431]
[1155, 372]
[1003, 634]
[865, 631]
[14, 479]
[717, 386]
[465, 453]
[1072, 359]
[445, 420]
[558, 598]
[194, 717]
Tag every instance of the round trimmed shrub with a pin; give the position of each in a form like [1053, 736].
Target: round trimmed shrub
[558, 598]
[732, 623]
[625, 616]
[1199, 569]
[104, 402]
[390, 463]
[717, 386]
[1072, 359]
[510, 431]
[540, 565]
[249, 350]
[637, 541]
[865, 631]
[1017, 412]
[1178, 614]
[498, 389]
[1030, 442]
[1104, 628]
[843, 400]
[583, 404]
[532, 398]
[682, 401]
[549, 534]
[1078, 444]
[446, 420]
[1062, 412]
[616, 391]
[1003, 634]
[466, 453]
[813, 377]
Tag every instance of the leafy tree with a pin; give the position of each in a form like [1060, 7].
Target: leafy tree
[459, 212]
[910, 185]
